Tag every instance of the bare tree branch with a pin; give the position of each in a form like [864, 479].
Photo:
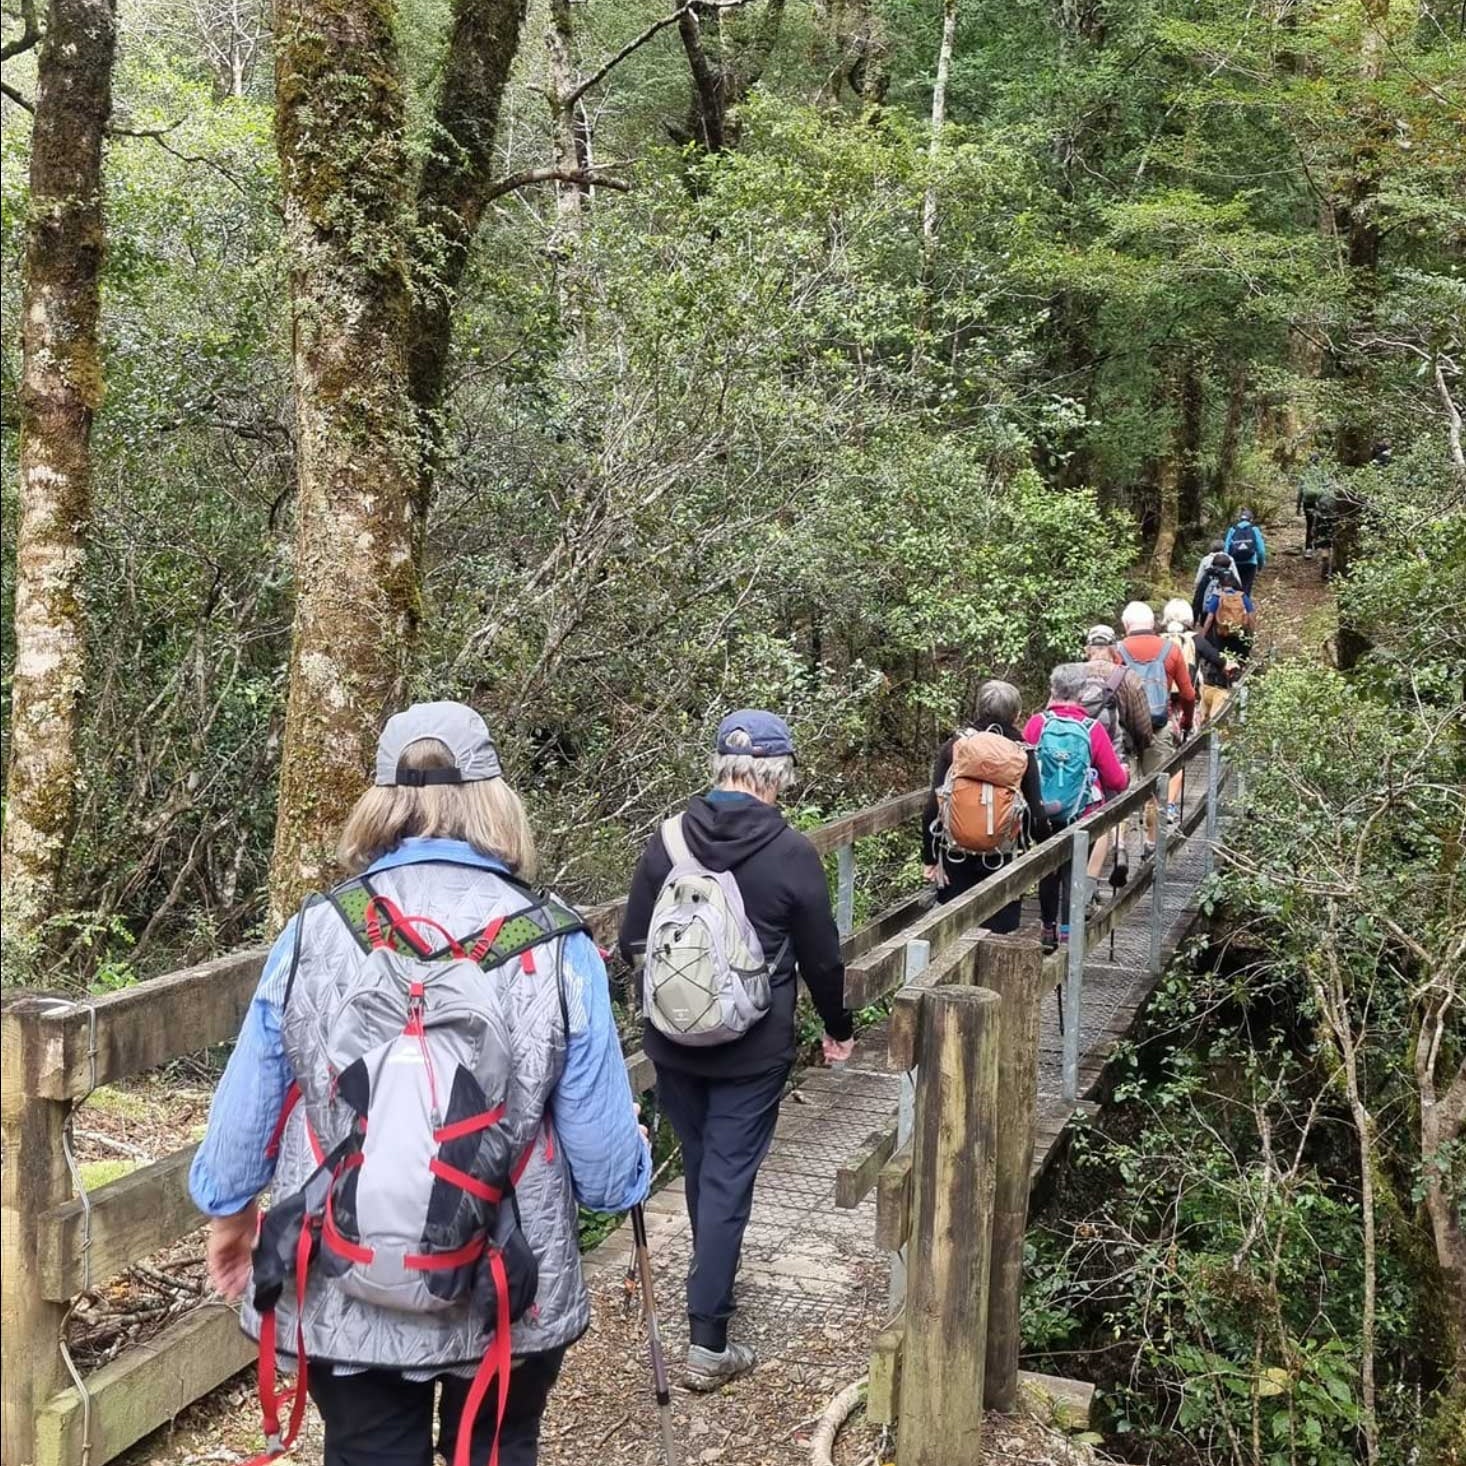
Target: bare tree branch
[637, 42]
[526, 176]
[28, 37]
[20, 101]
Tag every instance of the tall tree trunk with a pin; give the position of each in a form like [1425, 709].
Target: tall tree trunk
[61, 388]
[450, 206]
[1192, 485]
[939, 119]
[1231, 439]
[725, 72]
[1172, 469]
[1360, 226]
[346, 175]
[569, 129]
[1168, 515]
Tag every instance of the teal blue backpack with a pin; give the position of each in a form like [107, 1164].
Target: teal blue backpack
[1064, 762]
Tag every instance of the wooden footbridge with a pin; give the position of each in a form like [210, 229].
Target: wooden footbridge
[888, 1223]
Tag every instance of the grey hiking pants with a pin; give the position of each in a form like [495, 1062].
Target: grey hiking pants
[726, 1127]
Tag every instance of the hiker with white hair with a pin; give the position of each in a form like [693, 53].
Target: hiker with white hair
[1170, 694]
[728, 900]
[428, 1080]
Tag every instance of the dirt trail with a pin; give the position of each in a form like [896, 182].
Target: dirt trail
[1295, 606]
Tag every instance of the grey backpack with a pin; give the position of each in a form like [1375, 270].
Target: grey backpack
[706, 980]
[415, 1165]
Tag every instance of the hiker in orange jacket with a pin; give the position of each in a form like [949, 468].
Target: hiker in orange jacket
[1161, 666]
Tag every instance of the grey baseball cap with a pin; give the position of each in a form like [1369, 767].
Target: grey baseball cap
[1100, 636]
[464, 733]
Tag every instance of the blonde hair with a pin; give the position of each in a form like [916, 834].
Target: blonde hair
[486, 813]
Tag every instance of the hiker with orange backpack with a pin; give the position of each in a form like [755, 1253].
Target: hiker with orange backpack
[429, 1080]
[1231, 623]
[986, 802]
[1215, 571]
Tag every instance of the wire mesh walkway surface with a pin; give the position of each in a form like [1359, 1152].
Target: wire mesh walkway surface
[813, 1288]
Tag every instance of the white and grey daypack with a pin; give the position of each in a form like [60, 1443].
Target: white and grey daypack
[706, 979]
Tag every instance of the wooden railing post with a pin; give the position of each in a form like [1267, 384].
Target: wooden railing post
[34, 1180]
[1158, 883]
[1213, 796]
[845, 889]
[950, 1255]
[918, 955]
[1074, 985]
[1015, 971]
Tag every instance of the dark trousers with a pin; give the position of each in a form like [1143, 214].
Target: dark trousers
[1310, 527]
[1053, 889]
[1247, 574]
[972, 870]
[377, 1418]
[726, 1127]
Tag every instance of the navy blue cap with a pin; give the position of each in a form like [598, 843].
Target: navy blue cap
[768, 733]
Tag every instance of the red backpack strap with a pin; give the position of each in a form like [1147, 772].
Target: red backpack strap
[273, 1400]
[497, 1364]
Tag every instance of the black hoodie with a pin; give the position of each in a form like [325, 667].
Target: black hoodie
[782, 881]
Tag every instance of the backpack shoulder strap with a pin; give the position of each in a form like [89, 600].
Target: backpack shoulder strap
[546, 919]
[1116, 680]
[675, 839]
[310, 901]
[350, 900]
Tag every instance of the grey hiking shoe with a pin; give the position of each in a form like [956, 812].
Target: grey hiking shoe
[707, 1369]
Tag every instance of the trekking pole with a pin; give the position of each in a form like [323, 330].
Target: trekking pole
[654, 1335]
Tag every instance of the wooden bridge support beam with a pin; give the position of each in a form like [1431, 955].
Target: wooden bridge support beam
[1015, 971]
[953, 1159]
[33, 1180]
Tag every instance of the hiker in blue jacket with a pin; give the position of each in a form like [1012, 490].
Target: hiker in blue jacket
[1244, 543]
[446, 847]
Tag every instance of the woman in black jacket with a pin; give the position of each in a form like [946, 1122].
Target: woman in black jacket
[999, 707]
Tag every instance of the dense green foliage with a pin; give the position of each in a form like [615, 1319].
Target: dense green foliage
[1211, 1257]
[745, 433]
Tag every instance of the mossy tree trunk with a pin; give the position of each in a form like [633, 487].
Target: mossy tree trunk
[61, 389]
[452, 195]
[346, 175]
[1183, 402]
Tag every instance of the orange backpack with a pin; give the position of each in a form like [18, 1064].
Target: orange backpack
[1231, 612]
[981, 802]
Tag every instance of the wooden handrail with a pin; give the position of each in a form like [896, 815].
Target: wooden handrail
[100, 1040]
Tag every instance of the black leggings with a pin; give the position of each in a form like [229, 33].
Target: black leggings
[377, 1418]
[1053, 889]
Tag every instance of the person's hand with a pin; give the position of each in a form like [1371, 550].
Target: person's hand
[837, 1050]
[645, 1133]
[929, 874]
[231, 1241]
